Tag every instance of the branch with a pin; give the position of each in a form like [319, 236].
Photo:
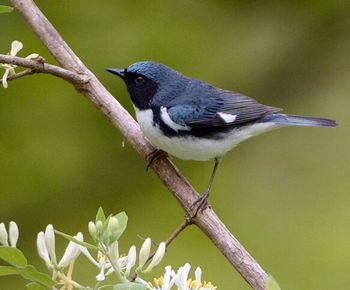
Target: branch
[40, 67]
[207, 220]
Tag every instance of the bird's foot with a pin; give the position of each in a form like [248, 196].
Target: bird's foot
[155, 154]
[198, 206]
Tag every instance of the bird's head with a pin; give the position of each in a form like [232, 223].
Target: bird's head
[145, 79]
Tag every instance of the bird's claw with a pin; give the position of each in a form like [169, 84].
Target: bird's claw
[154, 155]
[198, 206]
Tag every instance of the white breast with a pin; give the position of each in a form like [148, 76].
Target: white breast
[193, 148]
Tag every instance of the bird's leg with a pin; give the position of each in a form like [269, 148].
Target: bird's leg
[202, 202]
[154, 155]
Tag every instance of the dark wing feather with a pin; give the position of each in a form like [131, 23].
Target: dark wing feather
[204, 113]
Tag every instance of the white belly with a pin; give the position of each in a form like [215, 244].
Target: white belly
[193, 148]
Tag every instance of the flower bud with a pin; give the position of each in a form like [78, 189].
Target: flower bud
[32, 56]
[92, 230]
[131, 260]
[158, 256]
[50, 243]
[144, 252]
[16, 46]
[42, 250]
[198, 275]
[113, 224]
[13, 234]
[3, 235]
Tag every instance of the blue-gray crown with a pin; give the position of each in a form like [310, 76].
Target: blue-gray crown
[153, 70]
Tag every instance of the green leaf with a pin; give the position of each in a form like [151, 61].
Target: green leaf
[7, 270]
[123, 222]
[272, 284]
[70, 238]
[5, 9]
[100, 216]
[13, 256]
[124, 286]
[35, 286]
[32, 274]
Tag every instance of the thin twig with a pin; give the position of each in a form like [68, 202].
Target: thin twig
[39, 67]
[168, 241]
[178, 230]
[206, 220]
[21, 74]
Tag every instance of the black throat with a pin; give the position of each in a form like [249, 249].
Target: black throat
[141, 94]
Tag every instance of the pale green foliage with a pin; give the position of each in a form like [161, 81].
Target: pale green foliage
[105, 233]
[5, 9]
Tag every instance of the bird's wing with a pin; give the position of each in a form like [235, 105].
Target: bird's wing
[223, 109]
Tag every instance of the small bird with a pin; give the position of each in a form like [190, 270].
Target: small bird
[193, 120]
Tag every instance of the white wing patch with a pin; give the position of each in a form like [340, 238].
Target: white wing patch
[167, 120]
[227, 118]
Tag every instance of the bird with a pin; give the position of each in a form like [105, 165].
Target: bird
[194, 120]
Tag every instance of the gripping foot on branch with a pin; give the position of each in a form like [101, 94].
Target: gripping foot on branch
[199, 205]
[202, 202]
[155, 154]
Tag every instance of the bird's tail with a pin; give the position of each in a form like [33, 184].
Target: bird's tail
[295, 120]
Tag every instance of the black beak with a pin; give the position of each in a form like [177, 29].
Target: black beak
[119, 72]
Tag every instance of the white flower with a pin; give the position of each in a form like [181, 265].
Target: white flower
[50, 243]
[42, 250]
[13, 234]
[179, 279]
[182, 277]
[131, 260]
[46, 248]
[144, 252]
[16, 46]
[102, 262]
[3, 235]
[72, 252]
[122, 265]
[198, 275]
[165, 282]
[158, 256]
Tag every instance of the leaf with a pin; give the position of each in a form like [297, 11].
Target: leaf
[123, 222]
[124, 286]
[7, 270]
[100, 216]
[5, 9]
[70, 238]
[32, 274]
[13, 256]
[35, 286]
[272, 284]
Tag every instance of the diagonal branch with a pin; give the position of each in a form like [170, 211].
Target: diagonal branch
[207, 220]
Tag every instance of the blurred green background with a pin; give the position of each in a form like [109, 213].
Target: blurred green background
[284, 195]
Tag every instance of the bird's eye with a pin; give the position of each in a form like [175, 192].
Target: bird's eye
[139, 80]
